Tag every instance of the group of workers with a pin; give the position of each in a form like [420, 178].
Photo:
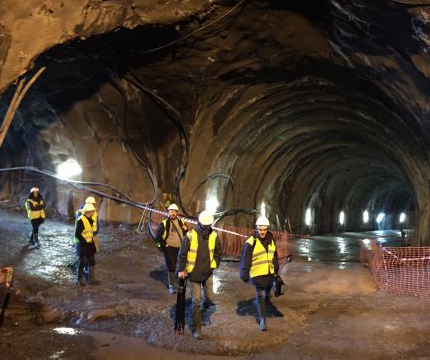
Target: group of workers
[86, 229]
[196, 253]
[191, 254]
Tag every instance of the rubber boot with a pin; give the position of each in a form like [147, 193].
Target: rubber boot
[91, 277]
[79, 275]
[86, 273]
[171, 281]
[31, 241]
[197, 323]
[261, 307]
[36, 240]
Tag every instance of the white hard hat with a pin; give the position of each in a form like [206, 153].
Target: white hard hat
[262, 221]
[90, 200]
[89, 207]
[173, 207]
[206, 218]
[34, 189]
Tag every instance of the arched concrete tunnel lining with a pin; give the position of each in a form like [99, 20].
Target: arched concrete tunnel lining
[344, 137]
[292, 128]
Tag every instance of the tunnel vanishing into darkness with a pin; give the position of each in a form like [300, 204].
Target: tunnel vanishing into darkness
[289, 103]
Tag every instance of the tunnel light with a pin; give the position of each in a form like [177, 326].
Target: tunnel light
[402, 217]
[212, 205]
[342, 218]
[365, 216]
[308, 217]
[380, 217]
[68, 169]
[263, 209]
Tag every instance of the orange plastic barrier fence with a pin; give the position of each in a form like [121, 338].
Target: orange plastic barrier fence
[401, 270]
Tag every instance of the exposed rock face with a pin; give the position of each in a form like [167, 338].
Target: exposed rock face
[300, 105]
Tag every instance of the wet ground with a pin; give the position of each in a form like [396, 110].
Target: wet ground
[331, 310]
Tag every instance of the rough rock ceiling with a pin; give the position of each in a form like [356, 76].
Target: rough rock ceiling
[292, 103]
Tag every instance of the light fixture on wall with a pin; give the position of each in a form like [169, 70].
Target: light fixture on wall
[68, 169]
[308, 217]
[365, 216]
[263, 209]
[342, 218]
[380, 217]
[212, 205]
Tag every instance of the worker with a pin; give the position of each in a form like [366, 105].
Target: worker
[85, 248]
[259, 262]
[169, 236]
[35, 206]
[80, 211]
[199, 255]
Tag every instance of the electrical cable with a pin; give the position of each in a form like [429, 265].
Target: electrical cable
[126, 200]
[224, 14]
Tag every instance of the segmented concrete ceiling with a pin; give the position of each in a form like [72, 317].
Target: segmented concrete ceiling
[300, 104]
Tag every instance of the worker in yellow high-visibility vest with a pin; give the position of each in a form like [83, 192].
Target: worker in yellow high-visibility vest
[85, 247]
[199, 255]
[35, 206]
[259, 263]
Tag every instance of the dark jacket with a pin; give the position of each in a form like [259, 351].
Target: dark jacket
[246, 261]
[202, 269]
[83, 248]
[160, 231]
[41, 204]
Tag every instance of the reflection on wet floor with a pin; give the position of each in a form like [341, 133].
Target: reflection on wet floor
[67, 331]
[341, 248]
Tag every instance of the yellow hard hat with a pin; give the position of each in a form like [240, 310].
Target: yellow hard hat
[89, 207]
[90, 200]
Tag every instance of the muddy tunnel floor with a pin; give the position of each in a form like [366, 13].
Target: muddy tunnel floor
[328, 311]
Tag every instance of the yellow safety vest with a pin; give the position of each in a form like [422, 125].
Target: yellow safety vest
[80, 212]
[262, 260]
[34, 214]
[87, 233]
[194, 244]
[164, 236]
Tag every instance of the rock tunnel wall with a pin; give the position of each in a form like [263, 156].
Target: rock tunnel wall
[322, 107]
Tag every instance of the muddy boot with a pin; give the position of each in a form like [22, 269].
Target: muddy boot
[171, 281]
[91, 277]
[197, 323]
[36, 241]
[261, 307]
[79, 276]
[86, 273]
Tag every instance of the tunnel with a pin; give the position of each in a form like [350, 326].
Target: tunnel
[312, 113]
[303, 107]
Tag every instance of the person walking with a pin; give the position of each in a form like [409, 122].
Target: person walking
[169, 236]
[35, 206]
[259, 263]
[199, 255]
[85, 247]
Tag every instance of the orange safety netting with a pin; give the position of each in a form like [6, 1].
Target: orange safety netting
[402, 270]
